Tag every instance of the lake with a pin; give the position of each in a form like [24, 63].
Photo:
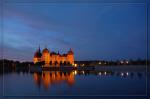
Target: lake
[103, 81]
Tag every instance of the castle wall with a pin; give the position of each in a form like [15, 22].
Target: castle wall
[55, 59]
[46, 58]
[70, 58]
[35, 60]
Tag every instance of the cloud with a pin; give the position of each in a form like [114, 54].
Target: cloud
[92, 30]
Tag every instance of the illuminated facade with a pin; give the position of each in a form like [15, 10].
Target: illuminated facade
[53, 58]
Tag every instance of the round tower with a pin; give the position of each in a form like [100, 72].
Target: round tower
[70, 56]
[37, 56]
[46, 56]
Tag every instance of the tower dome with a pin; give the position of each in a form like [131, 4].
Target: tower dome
[45, 50]
[70, 52]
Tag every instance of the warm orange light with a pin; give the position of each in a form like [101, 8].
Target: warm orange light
[75, 65]
[49, 78]
[54, 59]
[82, 64]
[75, 72]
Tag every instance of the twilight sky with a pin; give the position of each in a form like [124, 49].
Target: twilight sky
[93, 30]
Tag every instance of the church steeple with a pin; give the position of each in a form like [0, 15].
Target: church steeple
[38, 53]
[39, 50]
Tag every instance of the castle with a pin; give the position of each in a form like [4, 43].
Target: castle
[53, 58]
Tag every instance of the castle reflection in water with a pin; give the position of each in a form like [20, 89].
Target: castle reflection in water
[48, 78]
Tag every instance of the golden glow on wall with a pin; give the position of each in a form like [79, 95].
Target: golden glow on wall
[53, 58]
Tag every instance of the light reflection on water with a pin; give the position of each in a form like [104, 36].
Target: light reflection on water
[49, 78]
[89, 82]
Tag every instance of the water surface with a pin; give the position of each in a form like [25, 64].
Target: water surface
[102, 81]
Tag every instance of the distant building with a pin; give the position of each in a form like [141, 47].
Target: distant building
[53, 58]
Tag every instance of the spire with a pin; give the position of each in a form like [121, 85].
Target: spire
[39, 49]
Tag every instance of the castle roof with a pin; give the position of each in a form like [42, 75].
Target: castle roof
[38, 53]
[54, 53]
[70, 52]
[64, 55]
[45, 50]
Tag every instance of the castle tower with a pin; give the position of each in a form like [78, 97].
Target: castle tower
[46, 56]
[37, 56]
[53, 58]
[70, 56]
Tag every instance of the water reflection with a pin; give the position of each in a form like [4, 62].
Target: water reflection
[122, 74]
[48, 78]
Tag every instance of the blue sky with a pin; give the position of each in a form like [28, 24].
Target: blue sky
[106, 31]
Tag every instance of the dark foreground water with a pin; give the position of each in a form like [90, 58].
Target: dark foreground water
[104, 81]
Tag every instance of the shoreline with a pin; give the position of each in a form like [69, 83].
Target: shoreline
[91, 68]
